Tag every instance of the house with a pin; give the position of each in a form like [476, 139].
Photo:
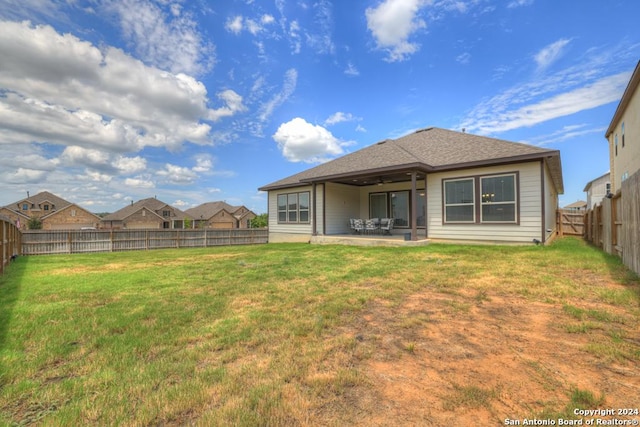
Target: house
[54, 213]
[221, 215]
[597, 190]
[146, 213]
[435, 183]
[577, 207]
[623, 134]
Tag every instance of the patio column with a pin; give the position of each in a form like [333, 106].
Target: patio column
[414, 207]
[314, 226]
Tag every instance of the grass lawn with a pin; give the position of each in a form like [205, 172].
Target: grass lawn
[298, 334]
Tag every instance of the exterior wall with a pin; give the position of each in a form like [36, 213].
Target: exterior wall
[627, 160]
[14, 217]
[550, 206]
[70, 218]
[343, 202]
[597, 191]
[530, 208]
[222, 219]
[144, 218]
[285, 229]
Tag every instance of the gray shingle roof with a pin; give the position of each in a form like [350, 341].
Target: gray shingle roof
[38, 199]
[427, 150]
[151, 204]
[208, 210]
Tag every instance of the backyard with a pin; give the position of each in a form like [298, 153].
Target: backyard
[298, 334]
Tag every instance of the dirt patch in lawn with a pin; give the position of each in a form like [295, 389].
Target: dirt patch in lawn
[469, 358]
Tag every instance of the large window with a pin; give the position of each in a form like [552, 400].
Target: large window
[498, 198]
[483, 199]
[459, 200]
[293, 207]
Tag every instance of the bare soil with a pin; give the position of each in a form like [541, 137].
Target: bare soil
[470, 359]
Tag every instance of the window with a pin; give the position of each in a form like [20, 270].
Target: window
[459, 200]
[420, 209]
[615, 143]
[25, 206]
[497, 194]
[166, 214]
[73, 212]
[498, 198]
[293, 207]
[607, 187]
[46, 207]
[622, 134]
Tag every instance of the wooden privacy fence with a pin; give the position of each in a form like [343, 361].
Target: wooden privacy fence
[614, 224]
[39, 242]
[9, 241]
[570, 222]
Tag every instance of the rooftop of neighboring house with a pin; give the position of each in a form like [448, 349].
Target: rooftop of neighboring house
[576, 205]
[209, 209]
[38, 200]
[151, 204]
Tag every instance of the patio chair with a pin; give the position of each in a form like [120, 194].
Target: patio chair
[386, 225]
[357, 225]
[370, 226]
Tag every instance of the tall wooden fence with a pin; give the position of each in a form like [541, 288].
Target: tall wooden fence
[614, 224]
[570, 222]
[9, 241]
[40, 242]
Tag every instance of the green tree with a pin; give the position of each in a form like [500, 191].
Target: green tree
[34, 224]
[187, 223]
[260, 221]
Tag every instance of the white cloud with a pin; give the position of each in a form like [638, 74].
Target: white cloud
[65, 91]
[464, 58]
[519, 3]
[502, 112]
[177, 174]
[288, 87]
[233, 103]
[351, 70]
[74, 155]
[204, 163]
[166, 39]
[301, 141]
[239, 23]
[130, 165]
[25, 176]
[97, 176]
[339, 117]
[139, 182]
[392, 23]
[234, 24]
[550, 54]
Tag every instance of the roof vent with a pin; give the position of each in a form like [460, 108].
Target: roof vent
[382, 142]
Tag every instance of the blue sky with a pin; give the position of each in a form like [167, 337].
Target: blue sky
[107, 101]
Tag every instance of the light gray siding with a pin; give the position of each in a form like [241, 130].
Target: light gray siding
[343, 202]
[529, 201]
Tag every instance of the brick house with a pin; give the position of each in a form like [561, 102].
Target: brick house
[53, 212]
[221, 215]
[146, 213]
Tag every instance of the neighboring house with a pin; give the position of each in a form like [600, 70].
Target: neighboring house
[221, 215]
[53, 212]
[597, 190]
[146, 213]
[623, 134]
[578, 207]
[434, 182]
